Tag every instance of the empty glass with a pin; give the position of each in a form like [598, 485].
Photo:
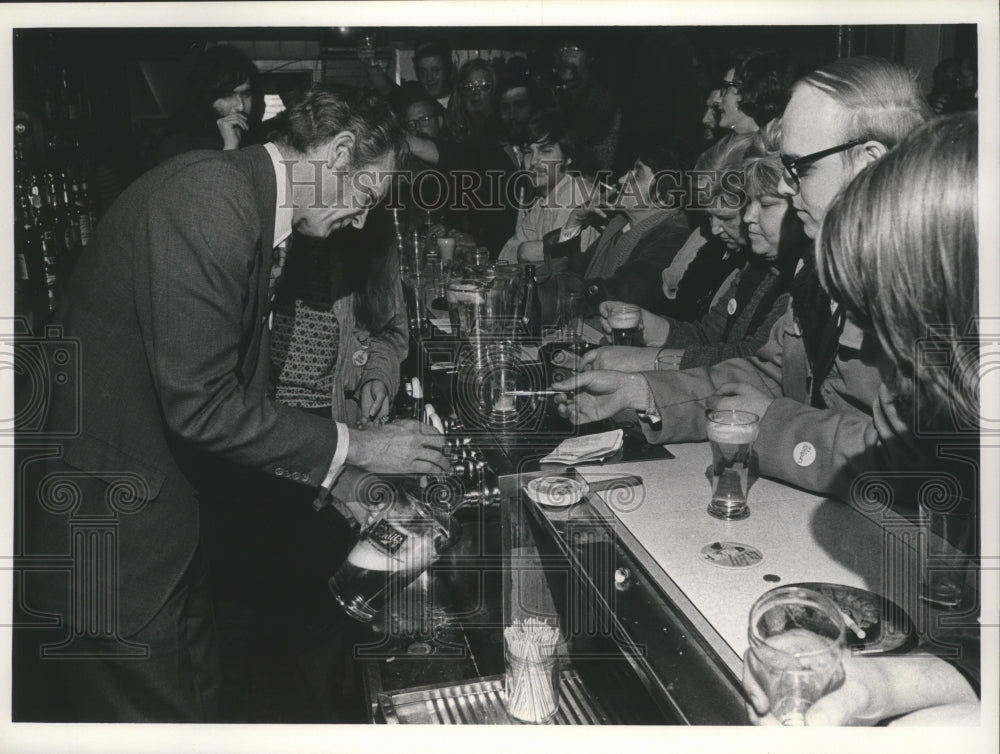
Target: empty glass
[796, 649]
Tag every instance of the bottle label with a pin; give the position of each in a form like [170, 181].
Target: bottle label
[386, 536]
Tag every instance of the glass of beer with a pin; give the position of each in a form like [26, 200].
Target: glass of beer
[731, 434]
[796, 649]
[396, 546]
[949, 536]
[466, 304]
[624, 321]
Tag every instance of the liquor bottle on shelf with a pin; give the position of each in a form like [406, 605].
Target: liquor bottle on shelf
[81, 206]
[531, 306]
[30, 277]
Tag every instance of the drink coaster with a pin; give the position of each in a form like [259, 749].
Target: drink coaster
[731, 555]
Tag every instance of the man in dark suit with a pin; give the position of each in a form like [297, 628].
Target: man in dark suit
[169, 308]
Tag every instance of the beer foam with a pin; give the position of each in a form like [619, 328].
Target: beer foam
[416, 550]
[736, 434]
[623, 320]
[366, 555]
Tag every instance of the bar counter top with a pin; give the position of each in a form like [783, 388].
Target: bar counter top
[802, 538]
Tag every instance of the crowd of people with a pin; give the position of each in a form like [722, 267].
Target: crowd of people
[245, 336]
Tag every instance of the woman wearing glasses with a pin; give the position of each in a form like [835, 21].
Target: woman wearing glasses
[753, 92]
[471, 110]
[488, 213]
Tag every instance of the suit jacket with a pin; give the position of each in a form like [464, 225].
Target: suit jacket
[169, 306]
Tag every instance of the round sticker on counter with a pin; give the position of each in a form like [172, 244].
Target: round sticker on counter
[731, 308]
[804, 454]
[731, 555]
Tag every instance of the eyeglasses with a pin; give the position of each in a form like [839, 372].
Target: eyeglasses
[422, 122]
[472, 86]
[793, 164]
[570, 48]
[726, 84]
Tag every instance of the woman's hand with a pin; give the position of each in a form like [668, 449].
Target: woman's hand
[231, 128]
[653, 328]
[375, 403]
[871, 689]
[621, 359]
[592, 396]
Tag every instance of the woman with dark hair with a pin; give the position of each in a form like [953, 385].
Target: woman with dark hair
[644, 229]
[223, 102]
[754, 92]
[556, 164]
[899, 250]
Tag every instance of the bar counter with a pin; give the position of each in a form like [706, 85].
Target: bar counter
[638, 601]
[651, 593]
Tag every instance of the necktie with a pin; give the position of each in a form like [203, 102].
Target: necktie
[277, 265]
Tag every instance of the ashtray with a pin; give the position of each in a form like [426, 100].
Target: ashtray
[556, 491]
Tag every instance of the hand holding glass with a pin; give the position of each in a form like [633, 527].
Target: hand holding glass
[796, 650]
[624, 320]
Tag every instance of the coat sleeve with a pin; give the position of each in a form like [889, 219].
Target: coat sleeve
[702, 339]
[825, 451]
[681, 396]
[389, 348]
[197, 276]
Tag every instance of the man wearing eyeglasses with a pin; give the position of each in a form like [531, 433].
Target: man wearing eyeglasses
[815, 384]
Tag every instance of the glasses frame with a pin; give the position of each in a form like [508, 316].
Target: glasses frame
[734, 85]
[471, 86]
[791, 165]
[414, 123]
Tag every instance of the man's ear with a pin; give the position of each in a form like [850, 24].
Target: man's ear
[870, 152]
[340, 151]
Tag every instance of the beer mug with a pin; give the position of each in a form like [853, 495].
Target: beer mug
[397, 545]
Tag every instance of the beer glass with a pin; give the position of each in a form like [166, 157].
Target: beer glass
[415, 293]
[731, 434]
[446, 247]
[571, 316]
[948, 531]
[396, 546]
[624, 320]
[796, 649]
[466, 303]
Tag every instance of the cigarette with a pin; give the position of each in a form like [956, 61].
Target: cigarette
[858, 631]
[531, 392]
